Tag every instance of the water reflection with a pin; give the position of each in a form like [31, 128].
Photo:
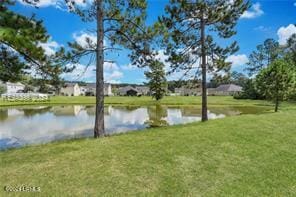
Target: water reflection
[157, 116]
[31, 125]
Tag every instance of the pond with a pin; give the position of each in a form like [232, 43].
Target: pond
[21, 126]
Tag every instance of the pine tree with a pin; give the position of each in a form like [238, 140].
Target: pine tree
[118, 21]
[22, 35]
[11, 68]
[189, 24]
[264, 55]
[157, 79]
[20, 50]
[290, 49]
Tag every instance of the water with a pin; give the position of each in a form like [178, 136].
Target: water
[21, 126]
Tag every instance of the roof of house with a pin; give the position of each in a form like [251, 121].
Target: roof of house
[124, 89]
[229, 88]
[70, 84]
[143, 89]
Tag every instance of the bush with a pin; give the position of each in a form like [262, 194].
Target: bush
[29, 88]
[249, 92]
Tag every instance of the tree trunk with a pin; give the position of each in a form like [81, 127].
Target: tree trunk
[276, 104]
[204, 111]
[99, 129]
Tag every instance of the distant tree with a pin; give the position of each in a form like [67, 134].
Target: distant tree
[290, 57]
[29, 88]
[232, 77]
[52, 74]
[118, 22]
[157, 80]
[217, 80]
[239, 78]
[2, 89]
[290, 49]
[44, 87]
[276, 82]
[264, 55]
[188, 39]
[172, 85]
[249, 91]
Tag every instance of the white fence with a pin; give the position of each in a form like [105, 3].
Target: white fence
[23, 97]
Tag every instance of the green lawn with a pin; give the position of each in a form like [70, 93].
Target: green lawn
[249, 155]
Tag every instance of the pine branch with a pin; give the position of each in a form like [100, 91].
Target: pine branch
[26, 56]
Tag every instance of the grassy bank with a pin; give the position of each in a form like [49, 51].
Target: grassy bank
[145, 100]
[251, 155]
[213, 101]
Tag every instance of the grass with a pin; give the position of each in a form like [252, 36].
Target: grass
[213, 101]
[249, 155]
[145, 100]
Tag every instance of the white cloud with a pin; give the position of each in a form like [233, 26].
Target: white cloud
[84, 39]
[237, 60]
[42, 3]
[113, 75]
[57, 3]
[254, 12]
[108, 66]
[49, 47]
[87, 40]
[285, 32]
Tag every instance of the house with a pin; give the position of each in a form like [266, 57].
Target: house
[184, 91]
[133, 91]
[143, 90]
[128, 91]
[90, 89]
[14, 87]
[228, 89]
[211, 91]
[70, 89]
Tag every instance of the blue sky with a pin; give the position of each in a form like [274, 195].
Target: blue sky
[265, 19]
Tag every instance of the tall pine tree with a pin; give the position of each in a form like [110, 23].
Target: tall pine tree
[157, 79]
[121, 24]
[192, 27]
